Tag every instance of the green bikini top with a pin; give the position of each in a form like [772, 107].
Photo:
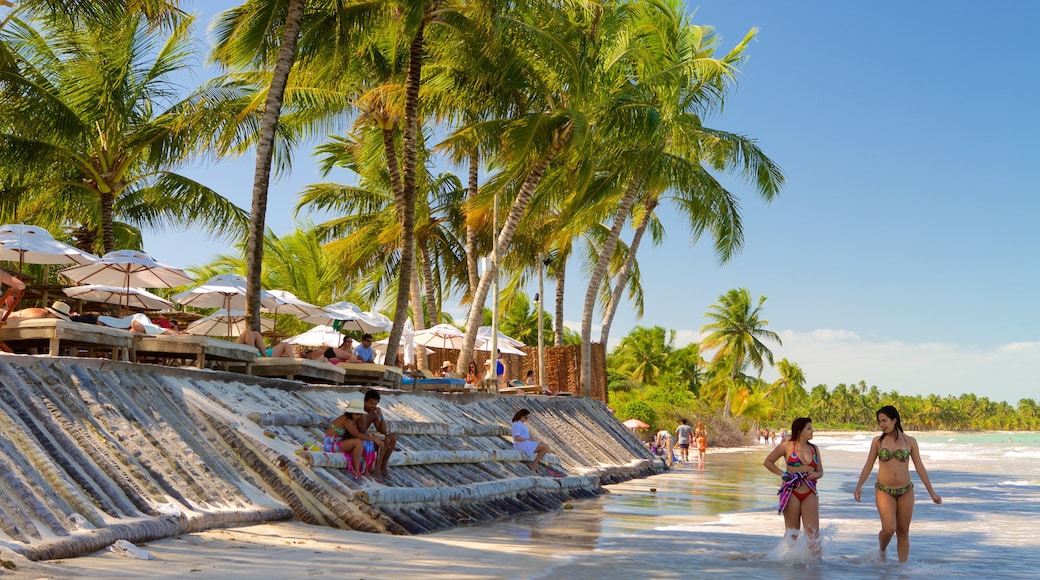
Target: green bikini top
[900, 455]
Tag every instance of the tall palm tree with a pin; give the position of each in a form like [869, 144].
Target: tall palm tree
[737, 332]
[245, 49]
[528, 142]
[676, 80]
[83, 131]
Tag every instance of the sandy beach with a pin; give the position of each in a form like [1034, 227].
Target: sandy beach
[297, 550]
[714, 520]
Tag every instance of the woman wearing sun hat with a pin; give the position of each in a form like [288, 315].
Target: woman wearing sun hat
[343, 436]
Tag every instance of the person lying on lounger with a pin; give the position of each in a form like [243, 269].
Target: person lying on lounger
[256, 340]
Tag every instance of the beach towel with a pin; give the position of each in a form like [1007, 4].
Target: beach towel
[789, 485]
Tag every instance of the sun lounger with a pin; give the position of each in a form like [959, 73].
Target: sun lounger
[201, 350]
[444, 385]
[54, 334]
[371, 375]
[300, 369]
[522, 389]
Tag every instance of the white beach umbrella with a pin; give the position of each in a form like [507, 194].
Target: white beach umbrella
[227, 291]
[379, 347]
[128, 268]
[288, 303]
[347, 316]
[440, 336]
[503, 347]
[225, 323]
[35, 245]
[484, 333]
[321, 335]
[130, 297]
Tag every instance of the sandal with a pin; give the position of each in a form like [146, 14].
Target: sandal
[554, 473]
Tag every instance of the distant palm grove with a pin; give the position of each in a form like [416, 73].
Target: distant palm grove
[652, 380]
[572, 125]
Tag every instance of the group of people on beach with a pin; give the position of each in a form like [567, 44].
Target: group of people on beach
[893, 492]
[360, 434]
[685, 438]
[346, 352]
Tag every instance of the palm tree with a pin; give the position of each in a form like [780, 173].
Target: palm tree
[680, 81]
[156, 12]
[82, 132]
[736, 332]
[234, 47]
[643, 354]
[789, 389]
[528, 142]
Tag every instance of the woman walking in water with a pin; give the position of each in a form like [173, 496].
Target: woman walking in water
[894, 492]
[799, 501]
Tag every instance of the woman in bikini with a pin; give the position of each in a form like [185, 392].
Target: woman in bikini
[798, 499]
[894, 492]
[344, 436]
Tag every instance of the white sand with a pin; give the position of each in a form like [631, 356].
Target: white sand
[297, 550]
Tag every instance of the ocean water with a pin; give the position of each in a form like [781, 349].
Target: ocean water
[720, 519]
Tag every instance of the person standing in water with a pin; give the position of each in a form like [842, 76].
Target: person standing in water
[799, 502]
[894, 492]
[700, 436]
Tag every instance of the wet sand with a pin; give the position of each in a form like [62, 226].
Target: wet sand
[522, 546]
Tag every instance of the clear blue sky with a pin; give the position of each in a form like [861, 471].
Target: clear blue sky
[903, 250]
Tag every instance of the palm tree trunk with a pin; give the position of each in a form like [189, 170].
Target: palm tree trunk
[411, 125]
[561, 278]
[476, 311]
[393, 167]
[418, 319]
[432, 308]
[264, 153]
[626, 271]
[596, 279]
[107, 215]
[471, 232]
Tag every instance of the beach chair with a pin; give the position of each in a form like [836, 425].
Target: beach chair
[54, 334]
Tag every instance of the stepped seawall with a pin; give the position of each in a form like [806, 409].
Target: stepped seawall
[93, 451]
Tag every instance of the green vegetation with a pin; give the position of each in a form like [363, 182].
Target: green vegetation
[649, 379]
[573, 122]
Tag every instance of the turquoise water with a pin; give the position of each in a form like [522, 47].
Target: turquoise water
[720, 518]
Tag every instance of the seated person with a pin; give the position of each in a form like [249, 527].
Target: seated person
[529, 379]
[472, 376]
[345, 436]
[374, 417]
[446, 370]
[364, 350]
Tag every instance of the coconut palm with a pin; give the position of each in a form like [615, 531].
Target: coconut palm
[737, 333]
[234, 47]
[366, 238]
[789, 389]
[643, 354]
[83, 131]
[559, 98]
[677, 80]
